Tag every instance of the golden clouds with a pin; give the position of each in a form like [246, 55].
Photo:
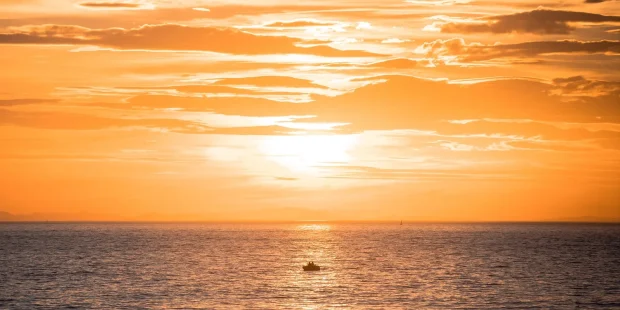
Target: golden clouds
[170, 37]
[458, 49]
[351, 105]
[117, 5]
[570, 100]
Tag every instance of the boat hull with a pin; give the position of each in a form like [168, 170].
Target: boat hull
[311, 268]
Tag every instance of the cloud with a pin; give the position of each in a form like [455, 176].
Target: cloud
[270, 81]
[74, 121]
[208, 89]
[127, 18]
[281, 88]
[117, 5]
[170, 37]
[526, 4]
[403, 102]
[524, 130]
[579, 85]
[528, 109]
[109, 4]
[15, 102]
[437, 2]
[298, 24]
[458, 49]
[188, 67]
[547, 146]
[254, 131]
[565, 46]
[286, 179]
[396, 63]
[222, 105]
[393, 41]
[449, 47]
[538, 21]
[413, 102]
[499, 135]
[363, 25]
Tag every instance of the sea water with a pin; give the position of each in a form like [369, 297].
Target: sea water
[364, 266]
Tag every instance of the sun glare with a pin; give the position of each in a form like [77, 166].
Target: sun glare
[314, 227]
[307, 154]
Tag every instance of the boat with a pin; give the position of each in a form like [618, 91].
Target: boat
[312, 267]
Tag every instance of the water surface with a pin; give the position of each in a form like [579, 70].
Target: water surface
[413, 266]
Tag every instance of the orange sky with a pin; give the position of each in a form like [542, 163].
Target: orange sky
[442, 110]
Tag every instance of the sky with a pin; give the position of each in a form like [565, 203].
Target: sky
[421, 110]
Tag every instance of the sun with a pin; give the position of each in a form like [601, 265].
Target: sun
[307, 154]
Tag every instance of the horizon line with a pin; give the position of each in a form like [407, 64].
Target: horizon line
[617, 222]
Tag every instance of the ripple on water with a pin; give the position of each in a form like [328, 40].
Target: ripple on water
[186, 266]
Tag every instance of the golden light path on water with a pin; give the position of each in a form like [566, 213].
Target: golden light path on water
[317, 244]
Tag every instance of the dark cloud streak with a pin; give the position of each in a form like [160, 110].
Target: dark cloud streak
[172, 37]
[16, 102]
[538, 21]
[109, 5]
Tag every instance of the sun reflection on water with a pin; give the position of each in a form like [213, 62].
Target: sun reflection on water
[314, 227]
[314, 241]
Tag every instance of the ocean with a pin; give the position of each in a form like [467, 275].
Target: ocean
[259, 266]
